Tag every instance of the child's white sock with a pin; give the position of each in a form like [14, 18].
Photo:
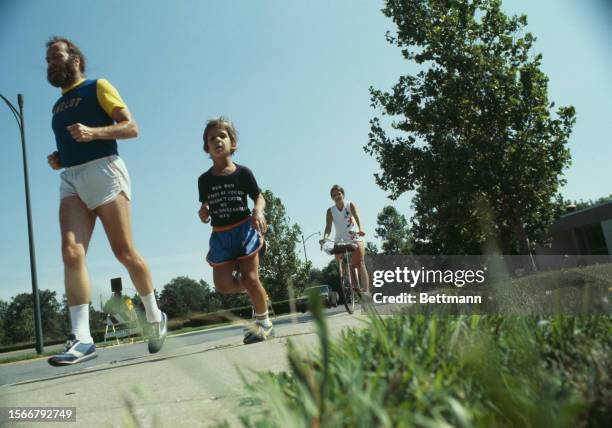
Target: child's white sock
[79, 320]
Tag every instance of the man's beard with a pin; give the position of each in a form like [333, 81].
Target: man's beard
[61, 76]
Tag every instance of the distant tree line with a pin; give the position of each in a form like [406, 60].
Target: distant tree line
[582, 204]
[17, 318]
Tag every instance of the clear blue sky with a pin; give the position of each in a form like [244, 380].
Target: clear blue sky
[294, 78]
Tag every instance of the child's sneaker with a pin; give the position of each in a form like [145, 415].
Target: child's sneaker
[257, 333]
[74, 352]
[158, 334]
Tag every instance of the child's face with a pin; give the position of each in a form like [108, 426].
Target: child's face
[219, 143]
[337, 196]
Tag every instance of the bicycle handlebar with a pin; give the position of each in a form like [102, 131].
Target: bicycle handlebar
[339, 247]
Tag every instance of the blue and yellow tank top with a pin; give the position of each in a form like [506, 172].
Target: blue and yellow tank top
[90, 102]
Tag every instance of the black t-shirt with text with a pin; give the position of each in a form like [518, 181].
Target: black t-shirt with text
[227, 195]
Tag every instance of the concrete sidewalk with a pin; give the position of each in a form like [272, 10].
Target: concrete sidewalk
[192, 386]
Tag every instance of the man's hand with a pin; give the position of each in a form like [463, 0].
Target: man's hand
[54, 160]
[259, 222]
[81, 133]
[204, 214]
[361, 233]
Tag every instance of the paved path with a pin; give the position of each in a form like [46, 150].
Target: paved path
[193, 381]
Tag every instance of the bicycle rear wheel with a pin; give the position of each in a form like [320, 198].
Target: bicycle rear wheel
[346, 288]
[357, 287]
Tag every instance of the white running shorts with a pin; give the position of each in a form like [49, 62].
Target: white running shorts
[97, 182]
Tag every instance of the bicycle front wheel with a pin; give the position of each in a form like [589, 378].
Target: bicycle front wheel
[346, 289]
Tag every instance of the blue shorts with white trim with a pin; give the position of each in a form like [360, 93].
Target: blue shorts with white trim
[234, 244]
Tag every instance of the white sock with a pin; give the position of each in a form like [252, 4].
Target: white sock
[79, 319]
[263, 319]
[152, 311]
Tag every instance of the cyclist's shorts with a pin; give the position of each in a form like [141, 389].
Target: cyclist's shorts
[234, 243]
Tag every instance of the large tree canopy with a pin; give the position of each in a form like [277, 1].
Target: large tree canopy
[18, 317]
[474, 133]
[183, 295]
[281, 264]
[393, 230]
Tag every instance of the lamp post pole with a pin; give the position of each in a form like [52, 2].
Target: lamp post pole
[35, 297]
[304, 242]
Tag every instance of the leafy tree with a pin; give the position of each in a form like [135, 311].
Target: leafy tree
[394, 231]
[225, 301]
[3, 308]
[51, 314]
[371, 249]
[314, 276]
[18, 317]
[137, 300]
[324, 275]
[183, 295]
[473, 132]
[116, 304]
[328, 275]
[96, 318]
[581, 204]
[281, 263]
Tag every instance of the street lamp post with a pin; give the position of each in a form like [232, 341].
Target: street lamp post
[304, 242]
[35, 297]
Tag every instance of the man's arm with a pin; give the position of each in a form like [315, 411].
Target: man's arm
[54, 160]
[124, 128]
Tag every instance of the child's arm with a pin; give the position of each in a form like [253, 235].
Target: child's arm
[328, 226]
[259, 221]
[203, 196]
[203, 213]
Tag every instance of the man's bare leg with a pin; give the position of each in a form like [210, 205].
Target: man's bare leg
[77, 224]
[115, 217]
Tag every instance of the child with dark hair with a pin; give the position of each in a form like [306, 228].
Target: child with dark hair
[237, 236]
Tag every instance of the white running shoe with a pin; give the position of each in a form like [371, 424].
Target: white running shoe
[257, 333]
[74, 352]
[158, 335]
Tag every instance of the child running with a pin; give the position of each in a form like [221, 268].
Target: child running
[237, 236]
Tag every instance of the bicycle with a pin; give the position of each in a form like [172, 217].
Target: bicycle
[350, 291]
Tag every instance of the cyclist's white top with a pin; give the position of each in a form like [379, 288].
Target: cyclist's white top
[344, 223]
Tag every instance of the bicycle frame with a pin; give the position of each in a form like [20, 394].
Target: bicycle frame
[350, 290]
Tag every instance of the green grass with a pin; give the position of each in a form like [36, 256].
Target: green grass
[426, 371]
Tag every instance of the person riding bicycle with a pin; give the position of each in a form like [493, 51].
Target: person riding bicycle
[345, 217]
